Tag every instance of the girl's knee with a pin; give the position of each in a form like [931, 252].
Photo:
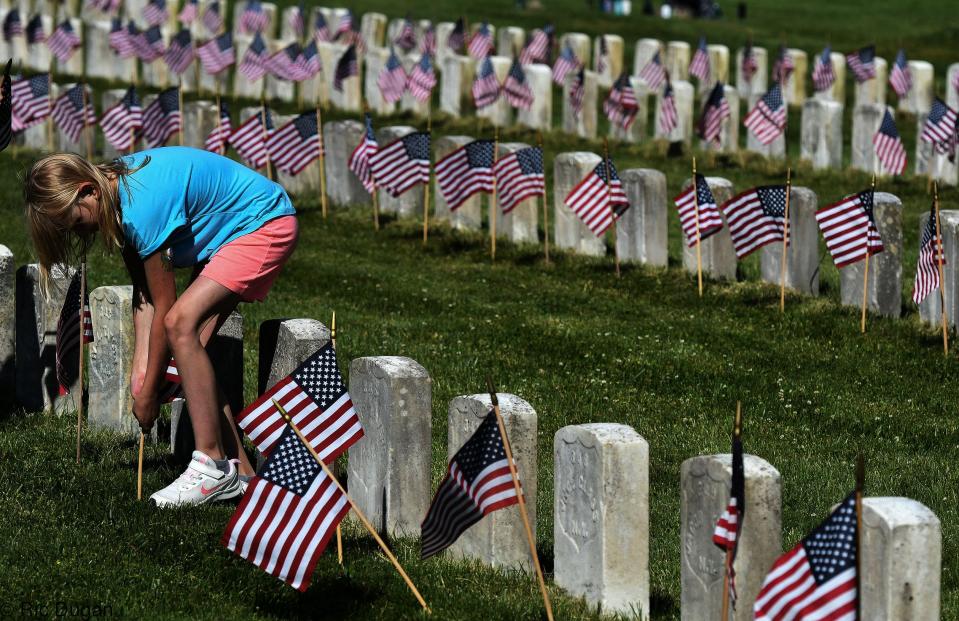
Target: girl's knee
[180, 327]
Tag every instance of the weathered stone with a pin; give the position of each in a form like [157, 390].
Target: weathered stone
[641, 235]
[36, 338]
[601, 516]
[930, 310]
[410, 203]
[287, 31]
[794, 90]
[885, 269]
[443, 51]
[499, 539]
[283, 345]
[373, 29]
[579, 43]
[873, 91]
[582, 124]
[509, 41]
[718, 254]
[901, 560]
[919, 98]
[111, 360]
[612, 62]
[729, 128]
[837, 91]
[375, 62]
[718, 65]
[643, 53]
[8, 322]
[802, 256]
[520, 224]
[349, 96]
[677, 60]
[705, 482]
[952, 94]
[469, 215]
[775, 149]
[199, 119]
[569, 232]
[389, 467]
[758, 84]
[683, 95]
[866, 120]
[499, 113]
[242, 86]
[540, 114]
[456, 81]
[821, 133]
[342, 186]
[638, 130]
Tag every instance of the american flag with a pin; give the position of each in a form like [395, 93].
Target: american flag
[748, 65]
[428, 43]
[709, 221]
[254, 19]
[346, 67]
[784, 66]
[598, 198]
[668, 116]
[63, 42]
[900, 77]
[817, 578]
[69, 333]
[35, 32]
[730, 523]
[297, 20]
[217, 54]
[481, 43]
[321, 29]
[392, 79]
[288, 63]
[653, 73]
[253, 63]
[940, 127]
[360, 157]
[485, 85]
[161, 119]
[422, 79]
[602, 59]
[538, 47]
[889, 147]
[767, 119]
[565, 62]
[477, 482]
[350, 35]
[577, 91]
[823, 74]
[12, 26]
[72, 111]
[863, 63]
[849, 229]
[31, 100]
[516, 88]
[714, 113]
[249, 139]
[315, 398]
[155, 12]
[344, 26]
[288, 514]
[148, 44]
[403, 163]
[406, 40]
[466, 171]
[212, 19]
[179, 55]
[621, 106]
[121, 121]
[931, 256]
[218, 138]
[457, 37]
[293, 146]
[756, 217]
[519, 176]
[311, 59]
[699, 65]
[120, 39]
[189, 12]
[6, 108]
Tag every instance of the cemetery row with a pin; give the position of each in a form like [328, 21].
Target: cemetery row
[821, 117]
[601, 518]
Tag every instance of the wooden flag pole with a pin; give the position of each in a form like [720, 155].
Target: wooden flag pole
[426, 190]
[737, 433]
[356, 510]
[942, 281]
[319, 140]
[539, 141]
[860, 487]
[339, 531]
[699, 237]
[83, 295]
[179, 98]
[140, 469]
[865, 275]
[782, 278]
[520, 498]
[269, 171]
[609, 202]
[493, 210]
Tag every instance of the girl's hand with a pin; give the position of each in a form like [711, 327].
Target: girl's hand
[146, 409]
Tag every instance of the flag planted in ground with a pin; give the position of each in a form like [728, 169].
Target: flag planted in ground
[599, 198]
[481, 43]
[161, 119]
[748, 65]
[477, 482]
[537, 48]
[889, 147]
[756, 217]
[403, 163]
[31, 101]
[295, 145]
[849, 228]
[931, 258]
[155, 12]
[422, 79]
[189, 12]
[577, 91]
[75, 326]
[698, 212]
[621, 106]
[179, 54]
[344, 27]
[288, 63]
[457, 37]
[119, 39]
[392, 79]
[730, 523]
[465, 172]
[602, 57]
[516, 88]
[823, 74]
[217, 54]
[940, 127]
[565, 63]
[900, 78]
[428, 42]
[653, 73]
[519, 176]
[64, 41]
[699, 66]
[253, 64]
[406, 39]
[767, 119]
[668, 116]
[253, 18]
[321, 28]
[212, 19]
[148, 44]
[217, 140]
[249, 139]
[862, 62]
[346, 67]
[72, 111]
[485, 85]
[715, 112]
[783, 67]
[35, 32]
[12, 25]
[359, 161]
[122, 120]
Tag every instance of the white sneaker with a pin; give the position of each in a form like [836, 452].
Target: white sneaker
[244, 481]
[200, 483]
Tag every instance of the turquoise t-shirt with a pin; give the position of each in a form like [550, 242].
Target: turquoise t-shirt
[193, 202]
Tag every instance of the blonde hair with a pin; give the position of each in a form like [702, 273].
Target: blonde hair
[51, 190]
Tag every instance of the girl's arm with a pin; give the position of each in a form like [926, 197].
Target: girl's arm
[142, 318]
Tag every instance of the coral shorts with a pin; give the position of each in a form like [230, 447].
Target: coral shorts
[249, 264]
